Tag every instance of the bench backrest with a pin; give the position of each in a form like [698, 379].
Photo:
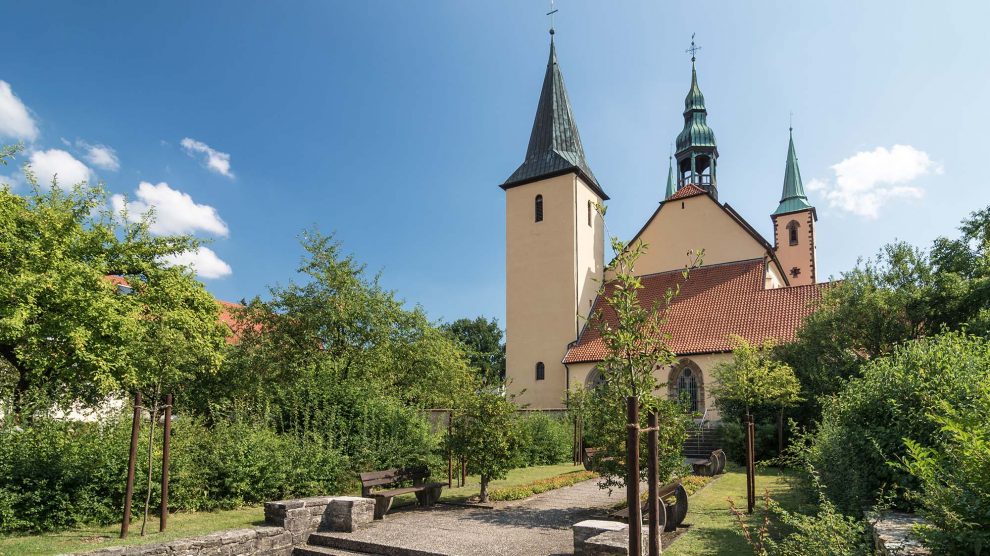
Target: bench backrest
[391, 476]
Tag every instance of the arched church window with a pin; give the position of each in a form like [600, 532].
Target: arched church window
[589, 213]
[539, 208]
[792, 232]
[594, 380]
[687, 389]
[541, 371]
[686, 385]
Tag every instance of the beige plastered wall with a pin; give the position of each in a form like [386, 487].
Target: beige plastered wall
[580, 373]
[802, 255]
[693, 224]
[553, 269]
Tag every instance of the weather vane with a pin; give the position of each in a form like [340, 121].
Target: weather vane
[550, 13]
[694, 49]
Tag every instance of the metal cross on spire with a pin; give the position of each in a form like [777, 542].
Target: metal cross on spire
[550, 13]
[694, 49]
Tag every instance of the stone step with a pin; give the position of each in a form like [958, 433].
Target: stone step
[327, 540]
[313, 550]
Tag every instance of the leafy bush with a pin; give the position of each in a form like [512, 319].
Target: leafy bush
[827, 532]
[734, 440]
[955, 477]
[897, 397]
[56, 474]
[545, 440]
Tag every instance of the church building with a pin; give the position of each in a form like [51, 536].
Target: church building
[555, 259]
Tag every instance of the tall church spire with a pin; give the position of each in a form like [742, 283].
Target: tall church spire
[697, 151]
[792, 198]
[671, 187]
[554, 144]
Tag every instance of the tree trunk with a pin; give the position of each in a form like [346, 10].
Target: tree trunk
[21, 386]
[151, 448]
[484, 489]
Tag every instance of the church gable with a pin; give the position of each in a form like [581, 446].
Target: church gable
[691, 220]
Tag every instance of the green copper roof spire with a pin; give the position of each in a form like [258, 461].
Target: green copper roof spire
[697, 151]
[793, 198]
[554, 144]
[671, 186]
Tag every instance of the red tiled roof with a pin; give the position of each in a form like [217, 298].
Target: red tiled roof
[226, 309]
[713, 303]
[689, 190]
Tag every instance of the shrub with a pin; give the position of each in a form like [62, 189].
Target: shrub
[734, 440]
[897, 397]
[545, 440]
[56, 474]
[827, 532]
[955, 478]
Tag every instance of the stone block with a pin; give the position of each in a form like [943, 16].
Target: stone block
[348, 513]
[612, 543]
[591, 528]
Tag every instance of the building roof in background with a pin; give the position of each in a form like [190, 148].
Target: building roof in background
[714, 302]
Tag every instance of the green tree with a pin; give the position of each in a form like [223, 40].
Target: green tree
[954, 475]
[180, 336]
[65, 332]
[482, 338]
[902, 293]
[637, 345]
[486, 435]
[333, 357]
[753, 379]
[861, 436]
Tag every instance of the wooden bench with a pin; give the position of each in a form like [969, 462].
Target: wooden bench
[427, 493]
[673, 507]
[593, 457]
[713, 465]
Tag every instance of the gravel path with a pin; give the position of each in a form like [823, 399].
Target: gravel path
[540, 525]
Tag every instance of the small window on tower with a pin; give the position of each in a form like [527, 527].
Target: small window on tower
[539, 208]
[589, 213]
[540, 371]
[795, 272]
[792, 229]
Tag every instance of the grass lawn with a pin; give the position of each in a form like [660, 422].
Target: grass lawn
[91, 538]
[194, 524]
[713, 530]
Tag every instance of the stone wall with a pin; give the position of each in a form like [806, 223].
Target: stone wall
[260, 541]
[289, 523]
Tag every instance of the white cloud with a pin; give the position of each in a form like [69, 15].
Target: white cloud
[15, 120]
[58, 163]
[100, 156]
[175, 211]
[11, 181]
[215, 160]
[868, 180]
[204, 262]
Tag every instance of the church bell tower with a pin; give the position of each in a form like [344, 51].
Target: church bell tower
[794, 225]
[554, 248]
[697, 153]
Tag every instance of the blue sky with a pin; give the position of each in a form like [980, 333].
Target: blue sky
[392, 123]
